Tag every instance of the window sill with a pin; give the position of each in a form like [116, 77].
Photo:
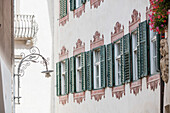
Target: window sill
[153, 81]
[97, 94]
[63, 99]
[63, 20]
[78, 12]
[79, 97]
[136, 86]
[95, 3]
[118, 91]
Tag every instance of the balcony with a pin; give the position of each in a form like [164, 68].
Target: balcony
[25, 29]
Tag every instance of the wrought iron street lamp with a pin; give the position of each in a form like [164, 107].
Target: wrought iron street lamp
[25, 62]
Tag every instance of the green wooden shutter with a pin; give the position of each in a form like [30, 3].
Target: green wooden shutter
[72, 5]
[122, 61]
[61, 8]
[83, 1]
[58, 78]
[143, 49]
[64, 8]
[158, 51]
[103, 66]
[66, 76]
[138, 54]
[126, 54]
[89, 70]
[83, 70]
[110, 65]
[72, 75]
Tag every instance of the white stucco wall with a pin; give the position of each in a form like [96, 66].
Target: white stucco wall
[35, 88]
[102, 19]
[6, 86]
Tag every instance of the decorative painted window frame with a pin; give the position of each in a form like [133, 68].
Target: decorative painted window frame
[78, 12]
[80, 48]
[118, 91]
[63, 55]
[62, 21]
[97, 42]
[95, 3]
[153, 80]
[135, 86]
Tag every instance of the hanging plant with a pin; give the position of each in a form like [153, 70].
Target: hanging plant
[159, 16]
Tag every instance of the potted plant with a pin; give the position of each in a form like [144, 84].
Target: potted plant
[159, 16]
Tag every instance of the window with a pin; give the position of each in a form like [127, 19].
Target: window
[63, 8]
[79, 74]
[78, 3]
[134, 54]
[97, 76]
[117, 63]
[74, 4]
[154, 52]
[63, 78]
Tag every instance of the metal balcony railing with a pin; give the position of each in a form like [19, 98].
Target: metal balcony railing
[25, 27]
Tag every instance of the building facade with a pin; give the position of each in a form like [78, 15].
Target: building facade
[6, 55]
[106, 57]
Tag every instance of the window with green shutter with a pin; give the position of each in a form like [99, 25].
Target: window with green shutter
[99, 67]
[118, 61]
[154, 39]
[122, 60]
[89, 69]
[72, 75]
[58, 78]
[63, 8]
[64, 77]
[80, 72]
[110, 65]
[135, 52]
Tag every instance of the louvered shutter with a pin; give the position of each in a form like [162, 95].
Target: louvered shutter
[66, 76]
[89, 70]
[64, 8]
[122, 61]
[110, 65]
[83, 1]
[158, 52]
[143, 49]
[61, 8]
[72, 5]
[58, 78]
[103, 66]
[83, 70]
[72, 75]
[138, 54]
[126, 54]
